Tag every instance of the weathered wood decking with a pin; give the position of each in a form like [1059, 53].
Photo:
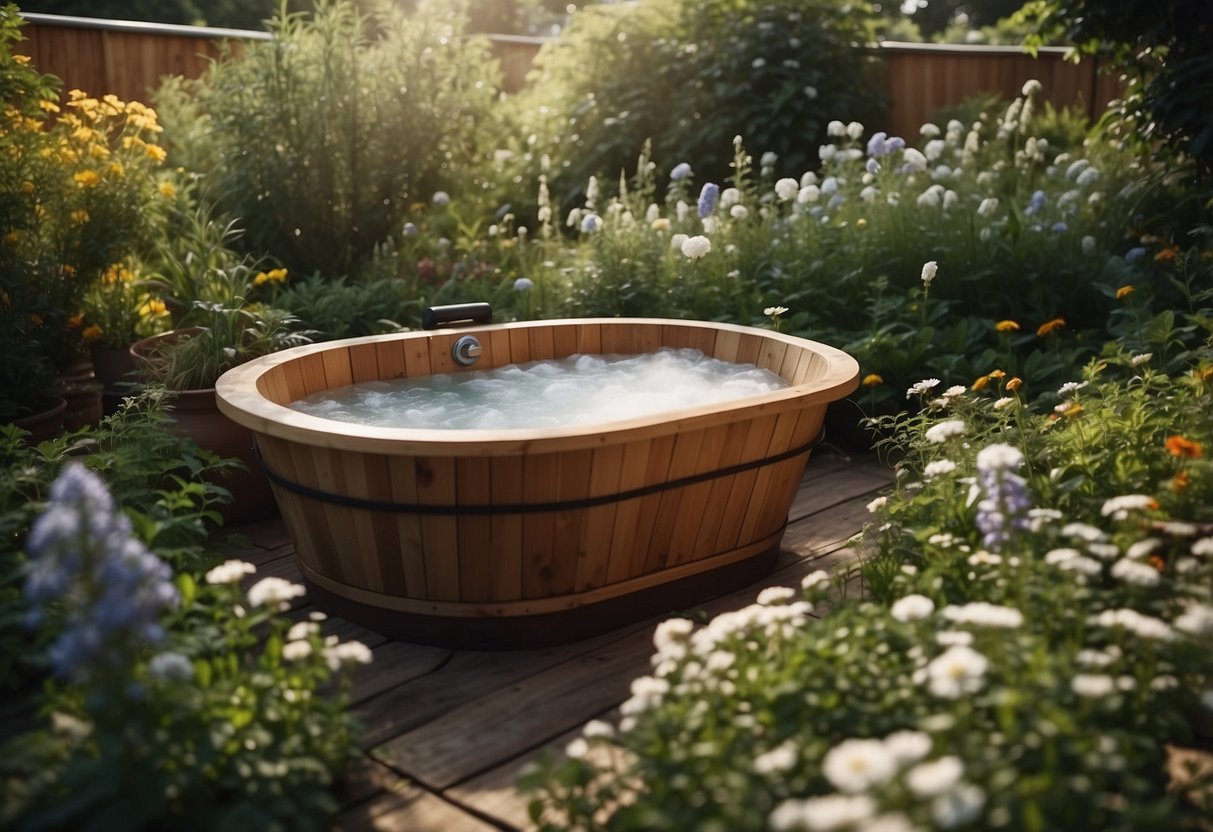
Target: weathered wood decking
[445, 732]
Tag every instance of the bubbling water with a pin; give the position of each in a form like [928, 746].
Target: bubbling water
[578, 390]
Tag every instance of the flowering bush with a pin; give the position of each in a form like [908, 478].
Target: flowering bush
[320, 139]
[1038, 633]
[165, 713]
[81, 184]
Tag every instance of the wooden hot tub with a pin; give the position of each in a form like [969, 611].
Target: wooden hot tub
[493, 538]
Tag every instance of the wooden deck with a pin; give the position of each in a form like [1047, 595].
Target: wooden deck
[445, 732]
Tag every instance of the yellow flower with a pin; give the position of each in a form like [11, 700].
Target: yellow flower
[49, 106]
[872, 380]
[167, 190]
[1014, 384]
[272, 276]
[69, 269]
[87, 178]
[1124, 291]
[153, 308]
[27, 187]
[980, 383]
[1050, 326]
[78, 217]
[861, 223]
[156, 152]
[661, 224]
[129, 142]
[21, 59]
[98, 151]
[116, 169]
[91, 333]
[1071, 409]
[1006, 326]
[996, 374]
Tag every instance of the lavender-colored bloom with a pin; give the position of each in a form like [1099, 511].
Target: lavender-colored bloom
[1004, 508]
[1134, 254]
[1036, 203]
[590, 223]
[681, 171]
[1060, 227]
[410, 230]
[873, 167]
[707, 199]
[877, 146]
[111, 588]
[894, 144]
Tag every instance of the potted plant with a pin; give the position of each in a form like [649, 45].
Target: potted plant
[218, 335]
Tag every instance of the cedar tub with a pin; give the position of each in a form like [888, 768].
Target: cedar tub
[506, 538]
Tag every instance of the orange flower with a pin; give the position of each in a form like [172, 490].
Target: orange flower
[1050, 326]
[1181, 481]
[1070, 409]
[1124, 291]
[1203, 373]
[1014, 384]
[91, 333]
[1181, 446]
[1157, 562]
[1006, 326]
[981, 382]
[75, 321]
[1167, 253]
[872, 380]
[996, 374]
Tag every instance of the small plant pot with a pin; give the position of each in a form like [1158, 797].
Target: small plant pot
[114, 370]
[80, 389]
[46, 422]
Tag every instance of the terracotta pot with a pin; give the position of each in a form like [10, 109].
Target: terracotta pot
[83, 395]
[114, 370]
[46, 423]
[196, 416]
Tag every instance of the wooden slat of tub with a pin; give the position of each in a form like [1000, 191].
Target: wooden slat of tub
[439, 533]
[441, 360]
[748, 348]
[364, 365]
[567, 553]
[402, 474]
[684, 461]
[564, 341]
[520, 346]
[780, 440]
[495, 346]
[543, 344]
[807, 367]
[596, 531]
[296, 385]
[661, 454]
[692, 508]
[356, 481]
[337, 370]
[756, 442]
[727, 343]
[416, 357]
[352, 568]
[385, 531]
[541, 479]
[623, 536]
[786, 475]
[691, 337]
[720, 489]
[791, 360]
[273, 386]
[311, 368]
[589, 339]
[389, 356]
[473, 487]
[506, 487]
[771, 355]
[316, 546]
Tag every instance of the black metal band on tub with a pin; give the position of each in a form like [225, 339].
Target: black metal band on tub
[527, 508]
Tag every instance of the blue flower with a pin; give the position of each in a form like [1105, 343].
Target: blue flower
[111, 589]
[410, 229]
[523, 284]
[873, 167]
[590, 223]
[681, 171]
[1134, 254]
[1004, 509]
[1036, 203]
[1060, 227]
[876, 144]
[895, 144]
[707, 199]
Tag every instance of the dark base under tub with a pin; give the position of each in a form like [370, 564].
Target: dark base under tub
[545, 629]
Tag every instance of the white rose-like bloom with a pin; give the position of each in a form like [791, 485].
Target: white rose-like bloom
[677, 240]
[229, 572]
[938, 468]
[1032, 87]
[827, 152]
[929, 130]
[1196, 619]
[1092, 685]
[855, 766]
[807, 194]
[915, 160]
[729, 197]
[959, 806]
[1135, 573]
[1202, 547]
[999, 457]
[272, 591]
[855, 131]
[933, 778]
[877, 504]
[943, 431]
[987, 207]
[929, 270]
[775, 595]
[815, 578]
[739, 212]
[836, 129]
[1118, 508]
[907, 746]
[821, 814]
[912, 608]
[984, 614]
[787, 189]
[301, 630]
[1143, 626]
[777, 760]
[347, 653]
[957, 671]
[934, 149]
[294, 651]
[696, 247]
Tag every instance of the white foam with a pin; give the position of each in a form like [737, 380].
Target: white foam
[579, 390]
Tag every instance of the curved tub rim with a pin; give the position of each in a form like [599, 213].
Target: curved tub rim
[240, 399]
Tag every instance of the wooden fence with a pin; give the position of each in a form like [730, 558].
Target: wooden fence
[128, 59]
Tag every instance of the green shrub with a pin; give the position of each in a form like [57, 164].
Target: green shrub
[688, 76]
[320, 139]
